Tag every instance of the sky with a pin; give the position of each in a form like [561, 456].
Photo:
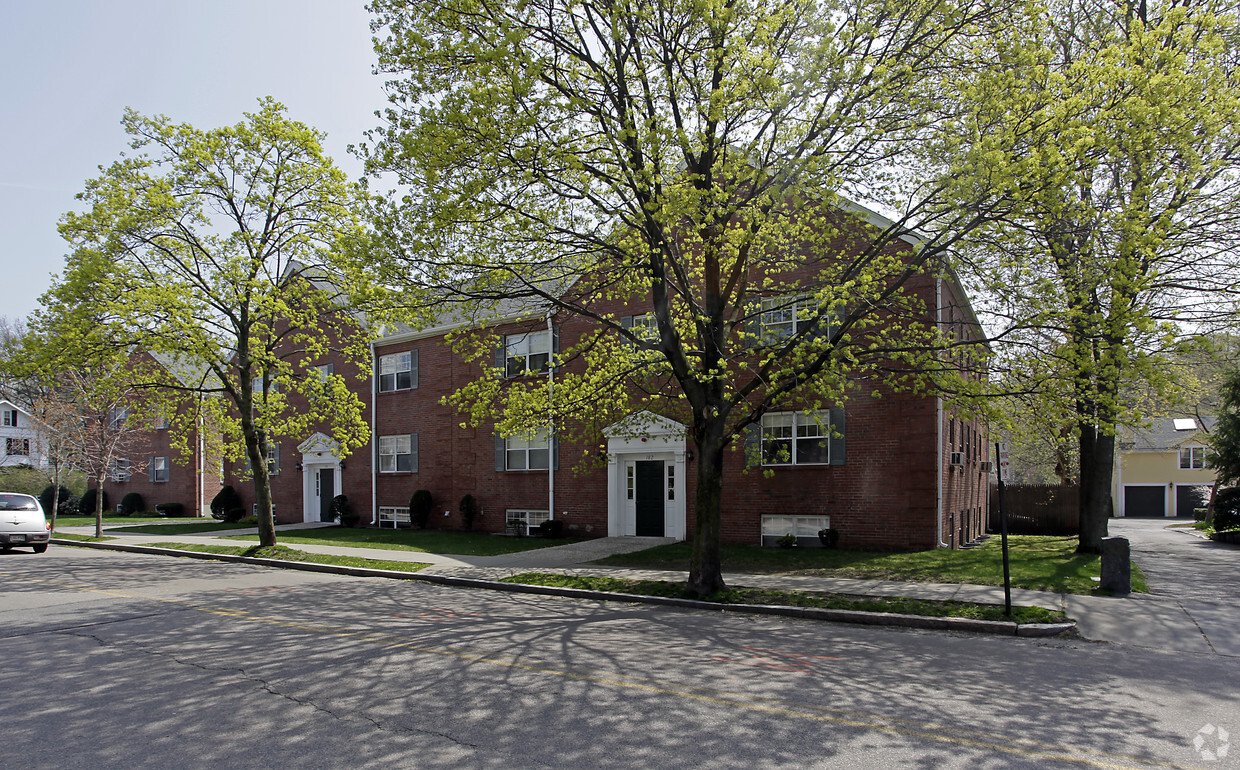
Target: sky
[68, 70]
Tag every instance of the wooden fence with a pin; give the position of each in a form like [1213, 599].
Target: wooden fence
[1037, 509]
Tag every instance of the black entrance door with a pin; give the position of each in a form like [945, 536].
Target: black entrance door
[649, 502]
[327, 490]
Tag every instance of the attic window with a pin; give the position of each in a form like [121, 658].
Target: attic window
[1185, 423]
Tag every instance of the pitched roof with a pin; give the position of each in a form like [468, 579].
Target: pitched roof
[1165, 433]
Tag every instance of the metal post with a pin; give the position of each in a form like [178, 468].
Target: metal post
[1003, 532]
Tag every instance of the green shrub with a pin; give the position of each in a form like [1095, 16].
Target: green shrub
[235, 515]
[86, 506]
[786, 541]
[420, 508]
[171, 510]
[67, 503]
[552, 528]
[342, 510]
[245, 521]
[469, 510]
[224, 502]
[131, 503]
[1227, 509]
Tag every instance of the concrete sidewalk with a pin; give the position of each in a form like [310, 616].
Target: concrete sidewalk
[1143, 620]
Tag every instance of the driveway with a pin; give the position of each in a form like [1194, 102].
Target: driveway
[1179, 565]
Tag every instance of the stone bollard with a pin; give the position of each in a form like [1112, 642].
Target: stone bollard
[1116, 567]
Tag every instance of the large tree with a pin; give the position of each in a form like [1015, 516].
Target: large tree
[224, 250]
[1130, 113]
[692, 159]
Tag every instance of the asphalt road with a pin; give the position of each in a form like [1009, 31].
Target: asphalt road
[116, 660]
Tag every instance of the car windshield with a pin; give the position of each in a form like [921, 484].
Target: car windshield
[18, 503]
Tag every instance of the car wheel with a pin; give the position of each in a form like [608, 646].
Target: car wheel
[5, 548]
[40, 548]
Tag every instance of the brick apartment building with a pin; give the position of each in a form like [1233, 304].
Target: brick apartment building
[887, 469]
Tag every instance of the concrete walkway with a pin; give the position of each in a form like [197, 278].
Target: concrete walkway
[1176, 616]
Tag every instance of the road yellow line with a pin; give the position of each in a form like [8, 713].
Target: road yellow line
[908, 728]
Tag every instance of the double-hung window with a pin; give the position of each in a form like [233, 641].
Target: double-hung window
[10, 418]
[528, 353]
[1193, 457]
[117, 417]
[398, 371]
[794, 438]
[527, 453]
[398, 454]
[160, 468]
[273, 459]
[17, 447]
[120, 470]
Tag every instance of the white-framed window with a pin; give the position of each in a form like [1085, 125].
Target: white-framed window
[393, 513]
[161, 422]
[254, 510]
[794, 438]
[160, 469]
[776, 526]
[397, 454]
[528, 353]
[17, 447]
[397, 371]
[785, 315]
[325, 371]
[526, 519]
[1193, 457]
[120, 470]
[117, 417]
[10, 418]
[527, 453]
[256, 385]
[273, 459]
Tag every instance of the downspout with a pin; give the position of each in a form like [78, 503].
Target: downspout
[551, 453]
[374, 400]
[202, 460]
[938, 429]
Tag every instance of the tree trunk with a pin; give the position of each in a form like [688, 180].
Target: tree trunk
[99, 505]
[1097, 468]
[55, 494]
[705, 566]
[256, 453]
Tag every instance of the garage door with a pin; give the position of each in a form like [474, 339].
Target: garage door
[1190, 496]
[1145, 501]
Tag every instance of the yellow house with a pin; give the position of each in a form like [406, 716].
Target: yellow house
[1162, 468]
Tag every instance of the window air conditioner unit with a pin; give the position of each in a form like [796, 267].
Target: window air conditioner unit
[987, 467]
[957, 458]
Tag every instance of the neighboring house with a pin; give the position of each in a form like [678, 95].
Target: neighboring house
[903, 472]
[23, 439]
[153, 468]
[1161, 468]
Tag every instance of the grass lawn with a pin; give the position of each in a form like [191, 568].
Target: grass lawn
[818, 599]
[283, 553]
[424, 540]
[1039, 563]
[186, 528]
[89, 521]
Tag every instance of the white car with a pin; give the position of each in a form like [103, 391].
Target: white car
[22, 522]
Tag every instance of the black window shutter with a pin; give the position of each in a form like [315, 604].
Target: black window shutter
[413, 448]
[413, 368]
[555, 452]
[836, 450]
[501, 357]
[501, 454]
[753, 445]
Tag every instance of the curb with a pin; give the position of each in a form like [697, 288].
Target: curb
[1000, 627]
